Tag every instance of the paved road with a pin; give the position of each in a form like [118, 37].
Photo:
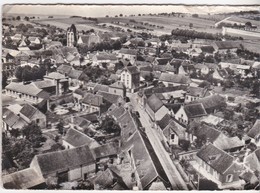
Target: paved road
[171, 171]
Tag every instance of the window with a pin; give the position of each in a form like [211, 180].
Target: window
[229, 178]
[172, 136]
[181, 115]
[115, 91]
[37, 120]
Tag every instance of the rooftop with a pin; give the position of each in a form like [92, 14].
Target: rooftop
[154, 103]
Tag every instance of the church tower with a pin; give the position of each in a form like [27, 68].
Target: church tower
[72, 36]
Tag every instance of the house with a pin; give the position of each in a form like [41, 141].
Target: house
[65, 69]
[92, 103]
[89, 39]
[109, 180]
[34, 40]
[229, 144]
[155, 108]
[218, 166]
[103, 58]
[130, 77]
[173, 133]
[46, 85]
[75, 138]
[77, 77]
[129, 54]
[256, 69]
[60, 80]
[27, 92]
[254, 132]
[105, 155]
[67, 165]
[189, 112]
[174, 80]
[222, 47]
[212, 103]
[162, 61]
[100, 87]
[252, 161]
[24, 179]
[244, 70]
[212, 120]
[194, 93]
[201, 68]
[117, 88]
[111, 98]
[154, 42]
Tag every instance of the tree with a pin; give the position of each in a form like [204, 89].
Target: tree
[121, 15]
[60, 127]
[19, 73]
[107, 15]
[110, 126]
[18, 18]
[191, 25]
[27, 73]
[33, 134]
[26, 18]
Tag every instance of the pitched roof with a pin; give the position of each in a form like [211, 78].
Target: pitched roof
[111, 98]
[77, 74]
[29, 89]
[128, 51]
[55, 76]
[194, 110]
[154, 103]
[106, 56]
[28, 110]
[157, 186]
[43, 84]
[207, 132]
[164, 121]
[116, 111]
[100, 87]
[64, 69]
[24, 179]
[196, 91]
[132, 69]
[213, 101]
[118, 85]
[163, 61]
[227, 44]
[174, 127]
[53, 162]
[91, 99]
[176, 78]
[226, 143]
[211, 119]
[77, 138]
[105, 150]
[109, 179]
[207, 49]
[215, 158]
[255, 130]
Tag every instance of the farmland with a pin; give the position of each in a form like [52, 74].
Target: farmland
[64, 23]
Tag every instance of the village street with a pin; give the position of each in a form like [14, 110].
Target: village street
[171, 171]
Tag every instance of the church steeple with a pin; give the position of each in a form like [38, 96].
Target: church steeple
[72, 36]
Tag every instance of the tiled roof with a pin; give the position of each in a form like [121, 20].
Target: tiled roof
[163, 61]
[28, 110]
[128, 51]
[106, 56]
[117, 84]
[255, 130]
[92, 99]
[100, 87]
[154, 103]
[55, 76]
[111, 98]
[23, 179]
[24, 88]
[76, 74]
[106, 150]
[207, 132]
[164, 121]
[116, 112]
[43, 84]
[77, 138]
[227, 44]
[194, 110]
[174, 78]
[173, 127]
[213, 101]
[53, 162]
[132, 69]
[64, 69]
[215, 158]
[226, 143]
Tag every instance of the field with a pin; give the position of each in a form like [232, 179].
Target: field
[244, 20]
[64, 23]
